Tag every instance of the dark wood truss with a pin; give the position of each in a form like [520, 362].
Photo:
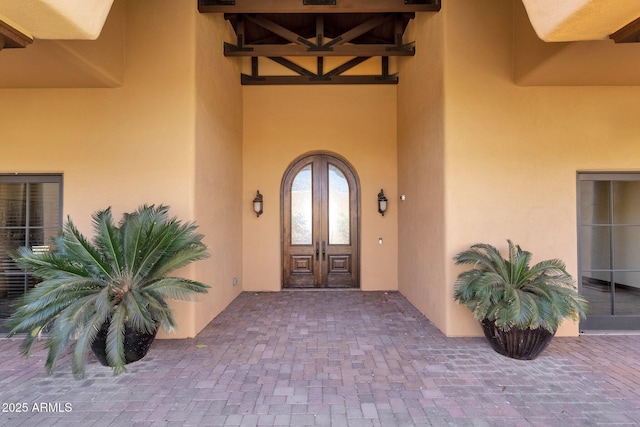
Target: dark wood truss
[317, 6]
[12, 38]
[354, 29]
[630, 33]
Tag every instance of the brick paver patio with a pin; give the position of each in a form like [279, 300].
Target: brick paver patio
[333, 358]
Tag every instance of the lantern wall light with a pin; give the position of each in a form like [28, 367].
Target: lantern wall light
[382, 202]
[258, 204]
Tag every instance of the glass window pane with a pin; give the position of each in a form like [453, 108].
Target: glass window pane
[30, 215]
[595, 247]
[339, 226]
[302, 207]
[13, 204]
[627, 298]
[594, 202]
[596, 288]
[627, 247]
[626, 202]
[44, 212]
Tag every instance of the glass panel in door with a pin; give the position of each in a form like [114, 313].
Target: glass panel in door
[302, 208]
[339, 207]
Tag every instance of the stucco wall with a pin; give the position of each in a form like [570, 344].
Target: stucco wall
[421, 139]
[114, 146]
[512, 152]
[138, 144]
[218, 174]
[478, 158]
[283, 122]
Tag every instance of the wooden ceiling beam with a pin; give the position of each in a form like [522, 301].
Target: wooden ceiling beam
[306, 76]
[276, 29]
[12, 38]
[293, 67]
[300, 46]
[359, 30]
[338, 50]
[347, 66]
[630, 33]
[304, 80]
[317, 6]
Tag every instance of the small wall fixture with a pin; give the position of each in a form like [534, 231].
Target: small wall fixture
[257, 203]
[382, 202]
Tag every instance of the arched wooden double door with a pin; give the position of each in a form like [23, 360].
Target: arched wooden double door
[320, 213]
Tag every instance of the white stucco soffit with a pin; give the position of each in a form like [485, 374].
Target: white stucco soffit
[574, 20]
[58, 19]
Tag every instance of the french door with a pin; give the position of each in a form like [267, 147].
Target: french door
[320, 199]
[609, 261]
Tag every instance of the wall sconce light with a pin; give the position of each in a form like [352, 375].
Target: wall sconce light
[382, 202]
[257, 203]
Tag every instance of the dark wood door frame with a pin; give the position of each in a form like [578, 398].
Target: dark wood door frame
[332, 268]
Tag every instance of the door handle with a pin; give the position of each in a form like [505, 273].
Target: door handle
[317, 251]
[324, 250]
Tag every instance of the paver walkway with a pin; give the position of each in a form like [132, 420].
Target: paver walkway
[332, 358]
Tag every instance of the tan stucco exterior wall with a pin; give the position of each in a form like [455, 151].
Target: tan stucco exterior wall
[138, 143]
[114, 146]
[510, 154]
[218, 177]
[421, 139]
[283, 122]
[479, 158]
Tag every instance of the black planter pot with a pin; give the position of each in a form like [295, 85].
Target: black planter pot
[523, 344]
[136, 344]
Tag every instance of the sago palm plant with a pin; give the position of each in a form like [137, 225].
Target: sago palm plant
[511, 293]
[115, 281]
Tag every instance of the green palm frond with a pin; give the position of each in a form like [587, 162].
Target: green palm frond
[107, 239]
[159, 310]
[115, 340]
[138, 313]
[177, 288]
[48, 265]
[66, 327]
[79, 359]
[175, 259]
[80, 251]
[119, 278]
[511, 292]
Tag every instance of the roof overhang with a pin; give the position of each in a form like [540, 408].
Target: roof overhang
[576, 20]
[56, 19]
